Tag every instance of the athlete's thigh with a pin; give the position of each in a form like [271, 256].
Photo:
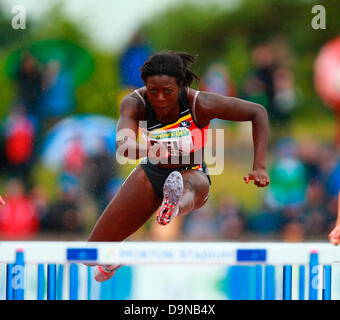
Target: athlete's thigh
[198, 182]
[131, 207]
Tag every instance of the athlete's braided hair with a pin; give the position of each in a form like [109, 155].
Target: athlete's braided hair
[173, 64]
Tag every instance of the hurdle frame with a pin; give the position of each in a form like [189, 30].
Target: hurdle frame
[263, 257]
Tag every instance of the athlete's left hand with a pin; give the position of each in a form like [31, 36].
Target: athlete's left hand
[259, 176]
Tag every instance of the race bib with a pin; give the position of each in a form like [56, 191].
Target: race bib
[177, 140]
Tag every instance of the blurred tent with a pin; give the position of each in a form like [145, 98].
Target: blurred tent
[88, 133]
[70, 55]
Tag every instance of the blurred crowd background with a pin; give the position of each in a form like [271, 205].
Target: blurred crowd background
[60, 94]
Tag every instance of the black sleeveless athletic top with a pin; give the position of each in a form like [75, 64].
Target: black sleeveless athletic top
[159, 131]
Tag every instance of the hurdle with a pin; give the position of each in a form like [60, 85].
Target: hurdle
[312, 264]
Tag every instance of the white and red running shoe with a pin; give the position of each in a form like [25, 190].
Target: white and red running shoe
[172, 193]
[104, 273]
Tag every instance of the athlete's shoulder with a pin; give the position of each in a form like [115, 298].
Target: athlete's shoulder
[136, 96]
[191, 92]
[194, 94]
[191, 95]
[133, 103]
[140, 93]
[207, 99]
[199, 98]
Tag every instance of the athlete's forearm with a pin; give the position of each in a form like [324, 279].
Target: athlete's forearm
[260, 131]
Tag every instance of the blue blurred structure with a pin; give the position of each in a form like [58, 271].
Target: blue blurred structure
[58, 98]
[131, 61]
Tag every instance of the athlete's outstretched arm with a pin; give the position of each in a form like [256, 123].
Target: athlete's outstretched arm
[131, 112]
[127, 129]
[211, 106]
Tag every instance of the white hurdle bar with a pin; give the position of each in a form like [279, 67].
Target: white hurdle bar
[268, 254]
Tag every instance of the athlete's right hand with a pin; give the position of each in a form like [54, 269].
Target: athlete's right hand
[158, 153]
[334, 236]
[2, 201]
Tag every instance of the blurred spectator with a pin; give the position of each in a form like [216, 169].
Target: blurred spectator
[314, 213]
[331, 173]
[217, 79]
[230, 219]
[266, 221]
[309, 154]
[40, 198]
[64, 214]
[3, 157]
[259, 85]
[332, 211]
[98, 172]
[156, 232]
[288, 178]
[333, 180]
[286, 195]
[315, 223]
[131, 60]
[271, 84]
[58, 96]
[293, 232]
[327, 160]
[19, 218]
[75, 157]
[200, 225]
[284, 95]
[29, 79]
[20, 148]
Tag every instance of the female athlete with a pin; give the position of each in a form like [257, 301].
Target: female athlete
[172, 178]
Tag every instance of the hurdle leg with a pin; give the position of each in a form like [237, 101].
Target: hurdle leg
[327, 282]
[302, 282]
[41, 282]
[74, 281]
[269, 282]
[51, 281]
[287, 282]
[258, 282]
[60, 279]
[9, 285]
[89, 283]
[313, 276]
